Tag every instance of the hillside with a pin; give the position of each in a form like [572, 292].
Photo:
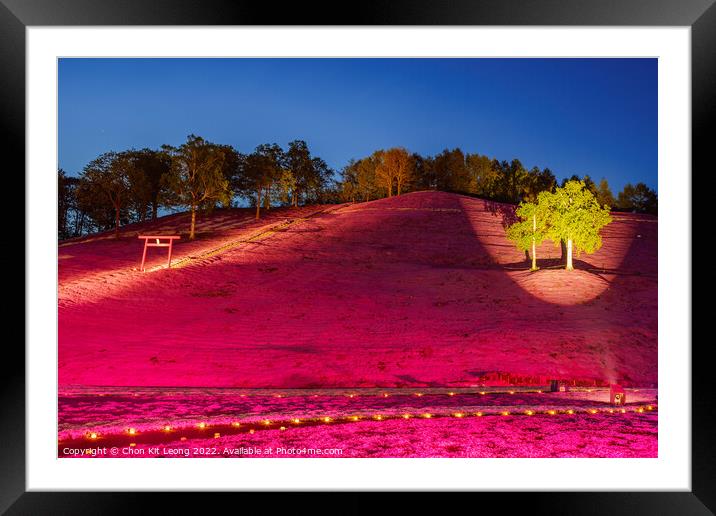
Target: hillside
[418, 290]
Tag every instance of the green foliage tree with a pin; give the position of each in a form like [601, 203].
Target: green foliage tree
[575, 217]
[639, 198]
[287, 186]
[532, 228]
[604, 194]
[196, 176]
[107, 178]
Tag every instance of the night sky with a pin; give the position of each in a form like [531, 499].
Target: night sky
[575, 116]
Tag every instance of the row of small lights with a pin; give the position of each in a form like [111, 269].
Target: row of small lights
[419, 394]
[380, 417]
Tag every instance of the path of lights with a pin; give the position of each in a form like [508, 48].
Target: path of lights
[279, 424]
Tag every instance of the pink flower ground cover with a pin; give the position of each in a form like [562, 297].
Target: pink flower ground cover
[579, 435]
[417, 291]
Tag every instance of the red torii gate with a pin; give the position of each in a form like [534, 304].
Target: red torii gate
[159, 241]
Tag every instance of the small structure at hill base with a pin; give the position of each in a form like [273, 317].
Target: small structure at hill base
[617, 396]
[159, 241]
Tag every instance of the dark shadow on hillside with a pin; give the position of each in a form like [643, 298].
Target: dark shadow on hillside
[506, 212]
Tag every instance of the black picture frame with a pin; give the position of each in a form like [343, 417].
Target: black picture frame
[16, 15]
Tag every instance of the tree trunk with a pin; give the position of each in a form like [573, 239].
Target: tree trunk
[258, 203]
[116, 222]
[570, 266]
[267, 197]
[155, 209]
[534, 243]
[193, 223]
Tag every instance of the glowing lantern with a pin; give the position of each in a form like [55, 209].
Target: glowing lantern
[295, 421]
[406, 416]
[451, 394]
[505, 413]
[529, 412]
[252, 431]
[282, 428]
[378, 417]
[202, 425]
[93, 435]
[551, 412]
[458, 414]
[617, 396]
[326, 419]
[236, 424]
[355, 418]
[427, 416]
[132, 431]
[418, 394]
[217, 435]
[479, 414]
[167, 428]
[266, 422]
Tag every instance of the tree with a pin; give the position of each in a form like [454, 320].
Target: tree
[604, 194]
[273, 166]
[148, 169]
[399, 164]
[384, 173]
[65, 203]
[532, 228]
[575, 217]
[196, 176]
[287, 185]
[108, 177]
[639, 198]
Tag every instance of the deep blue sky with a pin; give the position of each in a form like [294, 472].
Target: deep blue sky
[575, 116]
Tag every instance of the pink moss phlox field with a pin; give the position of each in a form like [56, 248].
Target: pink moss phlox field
[580, 435]
[412, 292]
[417, 290]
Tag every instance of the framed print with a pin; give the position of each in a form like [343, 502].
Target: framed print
[424, 248]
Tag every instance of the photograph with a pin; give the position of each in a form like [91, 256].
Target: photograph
[345, 257]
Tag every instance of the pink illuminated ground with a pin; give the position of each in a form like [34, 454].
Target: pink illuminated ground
[421, 290]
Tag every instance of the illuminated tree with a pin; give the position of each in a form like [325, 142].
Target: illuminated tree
[533, 226]
[196, 178]
[400, 164]
[575, 217]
